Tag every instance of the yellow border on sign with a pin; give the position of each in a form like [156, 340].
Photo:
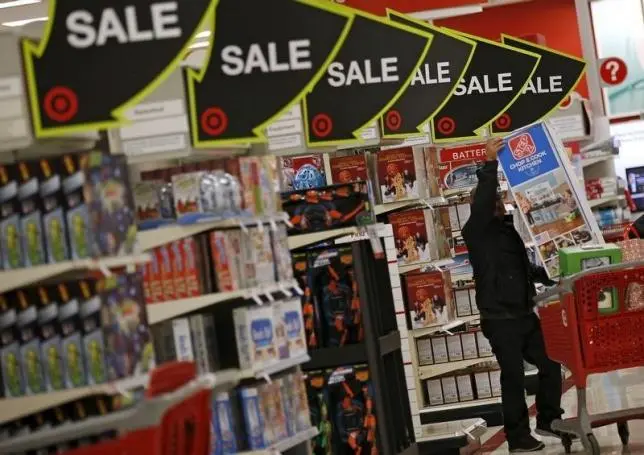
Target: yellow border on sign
[403, 87]
[552, 51]
[31, 50]
[196, 76]
[519, 92]
[431, 28]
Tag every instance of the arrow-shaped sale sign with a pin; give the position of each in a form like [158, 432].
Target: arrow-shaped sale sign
[372, 69]
[556, 76]
[493, 80]
[126, 50]
[265, 57]
[432, 85]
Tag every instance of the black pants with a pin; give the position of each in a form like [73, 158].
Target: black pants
[514, 340]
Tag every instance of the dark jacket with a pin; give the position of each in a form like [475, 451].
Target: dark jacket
[503, 274]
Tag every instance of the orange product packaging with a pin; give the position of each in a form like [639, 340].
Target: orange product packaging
[167, 277]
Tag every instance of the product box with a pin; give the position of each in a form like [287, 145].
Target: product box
[425, 355]
[475, 307]
[194, 267]
[177, 261]
[204, 341]
[434, 189]
[166, 274]
[330, 207]
[53, 215]
[273, 410]
[281, 254]
[495, 382]
[463, 304]
[226, 273]
[429, 298]
[31, 227]
[485, 350]
[187, 192]
[439, 348]
[71, 338]
[30, 358]
[148, 202]
[255, 337]
[183, 340]
[435, 392]
[302, 172]
[261, 250]
[414, 236]
[155, 275]
[269, 185]
[465, 390]
[281, 342]
[287, 391]
[92, 337]
[454, 348]
[11, 368]
[483, 386]
[11, 243]
[292, 319]
[470, 349]
[347, 169]
[450, 391]
[399, 172]
[258, 432]
[76, 209]
[224, 423]
[301, 402]
[50, 344]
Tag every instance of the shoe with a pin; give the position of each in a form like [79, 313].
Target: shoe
[546, 431]
[526, 444]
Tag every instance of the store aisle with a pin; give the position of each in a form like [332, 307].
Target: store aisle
[622, 390]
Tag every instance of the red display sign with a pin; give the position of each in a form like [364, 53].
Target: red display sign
[613, 71]
[404, 6]
[457, 165]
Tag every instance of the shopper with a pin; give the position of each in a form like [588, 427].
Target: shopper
[504, 289]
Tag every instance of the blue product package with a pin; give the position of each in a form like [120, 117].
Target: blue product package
[253, 418]
[223, 427]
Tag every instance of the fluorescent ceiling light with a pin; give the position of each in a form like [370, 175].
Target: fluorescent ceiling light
[203, 35]
[13, 3]
[24, 22]
[199, 45]
[443, 13]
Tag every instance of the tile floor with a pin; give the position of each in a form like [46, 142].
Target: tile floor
[609, 392]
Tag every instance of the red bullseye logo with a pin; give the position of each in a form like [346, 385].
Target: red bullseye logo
[322, 125]
[214, 121]
[60, 104]
[446, 125]
[503, 122]
[393, 120]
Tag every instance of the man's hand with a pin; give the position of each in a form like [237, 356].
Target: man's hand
[493, 147]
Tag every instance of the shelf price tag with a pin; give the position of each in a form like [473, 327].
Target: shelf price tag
[494, 79]
[259, 70]
[370, 72]
[555, 78]
[432, 84]
[126, 50]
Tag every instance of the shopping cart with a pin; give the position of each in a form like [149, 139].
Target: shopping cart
[589, 341]
[173, 419]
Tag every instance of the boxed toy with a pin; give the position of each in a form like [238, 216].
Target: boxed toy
[454, 348]
[429, 298]
[300, 401]
[439, 348]
[273, 411]
[330, 207]
[166, 274]
[227, 274]
[11, 368]
[178, 269]
[347, 169]
[255, 337]
[224, 423]
[302, 172]
[11, 250]
[148, 202]
[424, 347]
[93, 338]
[485, 350]
[193, 266]
[291, 315]
[414, 236]
[309, 312]
[202, 327]
[71, 345]
[49, 332]
[281, 254]
[483, 386]
[182, 340]
[434, 392]
[258, 431]
[30, 358]
[31, 228]
[187, 192]
[257, 253]
[495, 382]
[281, 342]
[465, 390]
[400, 174]
[450, 391]
[53, 219]
[434, 188]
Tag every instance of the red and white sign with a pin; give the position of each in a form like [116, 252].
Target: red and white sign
[613, 71]
[457, 165]
[522, 146]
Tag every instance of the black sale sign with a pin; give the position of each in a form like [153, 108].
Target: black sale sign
[97, 59]
[432, 85]
[494, 79]
[372, 69]
[556, 76]
[265, 57]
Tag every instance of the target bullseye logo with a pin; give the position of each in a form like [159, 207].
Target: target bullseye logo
[446, 125]
[60, 104]
[393, 120]
[214, 121]
[503, 122]
[322, 125]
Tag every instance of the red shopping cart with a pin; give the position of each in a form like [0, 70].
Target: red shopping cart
[588, 341]
[173, 419]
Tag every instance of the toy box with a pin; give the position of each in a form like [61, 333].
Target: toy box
[224, 423]
[300, 401]
[281, 254]
[309, 312]
[53, 219]
[93, 339]
[400, 173]
[330, 207]
[291, 315]
[69, 321]
[165, 274]
[11, 369]
[31, 228]
[273, 411]
[178, 269]
[186, 189]
[255, 337]
[288, 390]
[579, 258]
[195, 283]
[414, 236]
[30, 358]
[49, 332]
[258, 431]
[302, 172]
[202, 327]
[224, 261]
[258, 256]
[12, 253]
[148, 202]
[429, 298]
[281, 341]
[183, 347]
[347, 169]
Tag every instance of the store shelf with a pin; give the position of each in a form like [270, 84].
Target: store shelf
[301, 240]
[18, 278]
[417, 333]
[285, 444]
[282, 365]
[440, 263]
[610, 143]
[439, 369]
[162, 311]
[598, 159]
[153, 238]
[450, 435]
[381, 209]
[333, 357]
[390, 342]
[606, 200]
[14, 408]
[487, 409]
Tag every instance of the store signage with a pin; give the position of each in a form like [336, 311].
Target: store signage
[372, 69]
[613, 71]
[494, 79]
[432, 84]
[126, 50]
[556, 76]
[259, 70]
